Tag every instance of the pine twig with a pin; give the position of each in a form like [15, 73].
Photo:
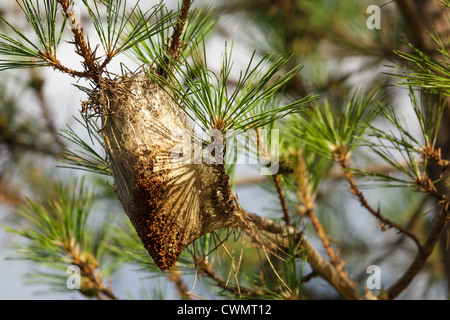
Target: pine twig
[422, 256]
[89, 271]
[304, 193]
[334, 258]
[284, 235]
[207, 270]
[175, 45]
[83, 47]
[282, 198]
[52, 61]
[384, 222]
[309, 277]
[175, 277]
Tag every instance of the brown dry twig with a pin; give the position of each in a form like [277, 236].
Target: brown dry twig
[284, 236]
[82, 45]
[207, 270]
[276, 180]
[422, 256]
[385, 223]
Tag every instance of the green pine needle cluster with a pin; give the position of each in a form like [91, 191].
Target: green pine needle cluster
[25, 52]
[209, 101]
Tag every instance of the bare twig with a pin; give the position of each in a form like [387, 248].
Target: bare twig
[285, 235]
[207, 270]
[176, 45]
[385, 223]
[308, 277]
[82, 45]
[282, 198]
[52, 61]
[176, 278]
[422, 256]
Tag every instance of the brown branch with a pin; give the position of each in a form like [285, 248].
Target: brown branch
[308, 277]
[425, 185]
[304, 194]
[82, 45]
[385, 223]
[421, 257]
[285, 235]
[89, 269]
[207, 270]
[282, 198]
[335, 259]
[176, 45]
[175, 277]
[52, 61]
[334, 173]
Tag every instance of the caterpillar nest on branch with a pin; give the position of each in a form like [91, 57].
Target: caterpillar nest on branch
[169, 203]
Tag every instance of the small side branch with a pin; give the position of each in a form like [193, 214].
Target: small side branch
[308, 209]
[334, 258]
[88, 269]
[282, 198]
[422, 256]
[175, 44]
[176, 278]
[207, 270]
[284, 236]
[385, 223]
[52, 61]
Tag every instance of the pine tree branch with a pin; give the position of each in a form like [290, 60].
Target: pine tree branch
[284, 236]
[83, 47]
[208, 271]
[309, 277]
[304, 194]
[421, 257]
[176, 46]
[176, 278]
[384, 222]
[175, 43]
[282, 198]
[52, 61]
[334, 258]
